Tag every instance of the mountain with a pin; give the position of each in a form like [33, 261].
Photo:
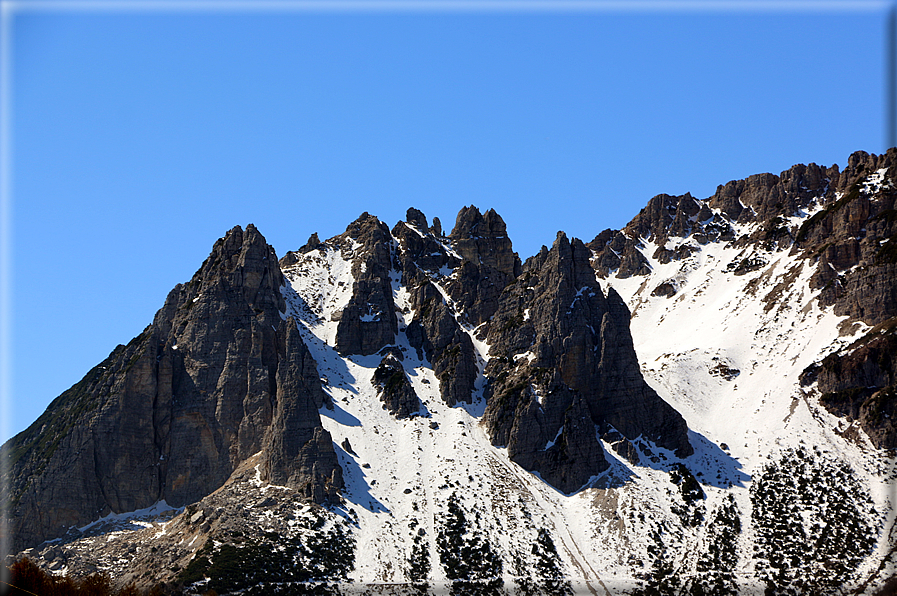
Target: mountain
[702, 402]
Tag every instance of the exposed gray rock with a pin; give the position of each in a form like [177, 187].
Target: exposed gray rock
[852, 240]
[435, 333]
[860, 383]
[170, 415]
[394, 388]
[292, 257]
[368, 322]
[560, 345]
[298, 451]
[488, 263]
[420, 253]
[762, 197]
[621, 446]
[417, 219]
[666, 289]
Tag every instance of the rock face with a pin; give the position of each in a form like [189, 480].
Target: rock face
[849, 240]
[368, 322]
[394, 388]
[217, 377]
[488, 263]
[860, 383]
[563, 371]
[298, 451]
[852, 241]
[481, 261]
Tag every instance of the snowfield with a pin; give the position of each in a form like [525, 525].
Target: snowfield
[725, 350]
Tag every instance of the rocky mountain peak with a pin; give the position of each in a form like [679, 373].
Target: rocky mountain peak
[241, 261]
[417, 218]
[216, 377]
[482, 239]
[761, 197]
[368, 321]
[489, 263]
[572, 261]
[559, 345]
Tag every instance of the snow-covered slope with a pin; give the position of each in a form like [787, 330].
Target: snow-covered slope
[780, 495]
[726, 351]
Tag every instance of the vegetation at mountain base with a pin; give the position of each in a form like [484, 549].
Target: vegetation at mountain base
[233, 563]
[715, 569]
[692, 514]
[466, 556]
[27, 578]
[663, 579]
[548, 566]
[814, 523]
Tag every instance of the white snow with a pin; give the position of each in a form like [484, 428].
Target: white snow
[715, 320]
[138, 517]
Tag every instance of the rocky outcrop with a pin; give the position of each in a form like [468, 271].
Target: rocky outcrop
[851, 239]
[171, 415]
[481, 263]
[860, 383]
[762, 197]
[394, 388]
[434, 332]
[488, 263]
[298, 451]
[666, 221]
[563, 371]
[368, 322]
[676, 223]
[421, 252]
[174, 547]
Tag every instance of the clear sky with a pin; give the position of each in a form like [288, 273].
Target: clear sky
[135, 138]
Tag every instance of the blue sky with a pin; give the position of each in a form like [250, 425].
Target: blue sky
[137, 137]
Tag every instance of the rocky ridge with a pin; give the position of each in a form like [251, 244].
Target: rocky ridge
[222, 374]
[439, 397]
[563, 364]
[217, 377]
[842, 223]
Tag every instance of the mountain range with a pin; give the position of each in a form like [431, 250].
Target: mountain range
[700, 403]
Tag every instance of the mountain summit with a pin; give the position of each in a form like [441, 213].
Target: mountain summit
[701, 402]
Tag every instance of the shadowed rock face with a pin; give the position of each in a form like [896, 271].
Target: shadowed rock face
[562, 364]
[482, 263]
[488, 265]
[860, 383]
[214, 379]
[298, 451]
[368, 323]
[394, 388]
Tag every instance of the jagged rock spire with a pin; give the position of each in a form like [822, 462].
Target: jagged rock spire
[559, 345]
[217, 377]
[368, 322]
